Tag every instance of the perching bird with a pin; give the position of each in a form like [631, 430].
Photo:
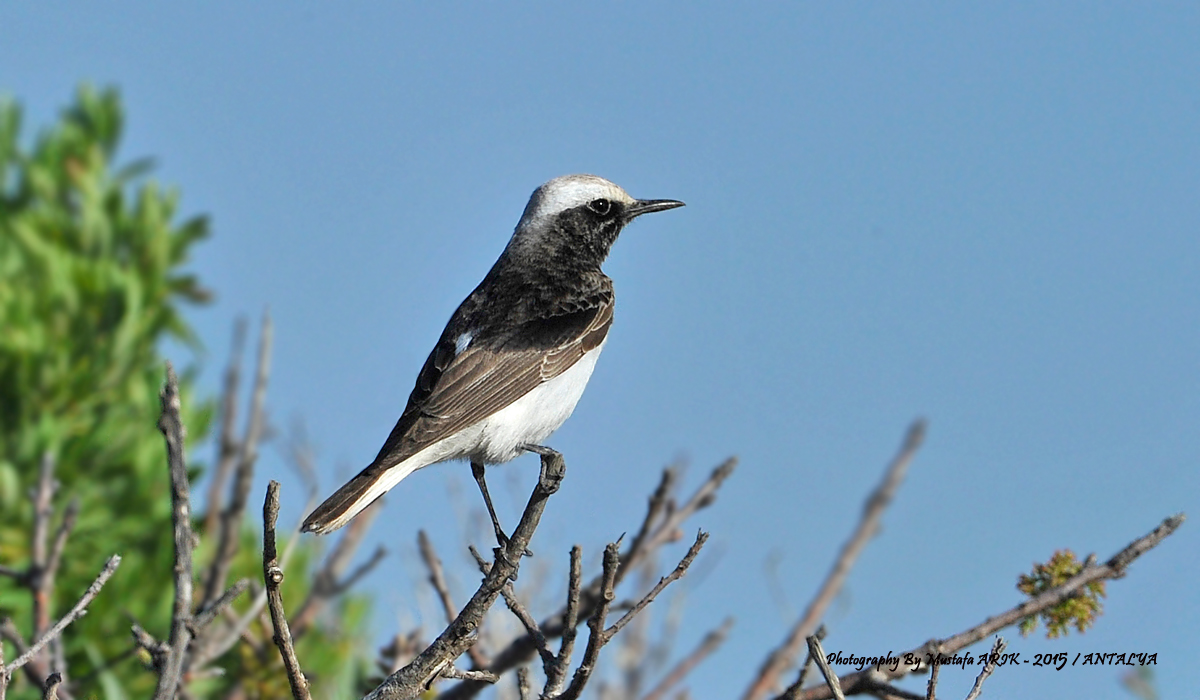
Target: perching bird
[517, 353]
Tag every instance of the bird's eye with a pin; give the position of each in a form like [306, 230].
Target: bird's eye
[600, 206]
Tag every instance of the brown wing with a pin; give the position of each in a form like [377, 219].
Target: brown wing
[456, 391]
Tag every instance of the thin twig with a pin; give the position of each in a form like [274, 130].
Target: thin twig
[4, 676]
[207, 615]
[460, 675]
[325, 582]
[155, 648]
[784, 656]
[413, 679]
[675, 575]
[660, 502]
[59, 545]
[556, 675]
[597, 636]
[231, 517]
[997, 650]
[48, 579]
[40, 575]
[363, 569]
[43, 511]
[227, 443]
[437, 579]
[794, 689]
[931, 687]
[35, 670]
[273, 577]
[861, 681]
[668, 530]
[75, 613]
[173, 432]
[818, 655]
[241, 625]
[531, 626]
[669, 519]
[523, 685]
[708, 645]
[238, 627]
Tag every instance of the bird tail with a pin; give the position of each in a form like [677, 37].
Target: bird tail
[355, 495]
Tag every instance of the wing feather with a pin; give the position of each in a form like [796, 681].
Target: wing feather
[455, 391]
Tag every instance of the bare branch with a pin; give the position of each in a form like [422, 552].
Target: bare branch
[411, 681]
[173, 432]
[325, 582]
[531, 626]
[208, 614]
[988, 669]
[660, 502]
[523, 686]
[863, 681]
[43, 511]
[39, 666]
[556, 674]
[795, 688]
[437, 577]
[273, 577]
[240, 628]
[75, 613]
[680, 570]
[931, 687]
[302, 459]
[227, 443]
[36, 669]
[156, 649]
[668, 530]
[597, 635]
[818, 655]
[784, 656]
[60, 542]
[40, 576]
[669, 519]
[365, 568]
[707, 646]
[231, 517]
[571, 616]
[458, 674]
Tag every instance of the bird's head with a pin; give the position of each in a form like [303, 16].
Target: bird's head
[579, 217]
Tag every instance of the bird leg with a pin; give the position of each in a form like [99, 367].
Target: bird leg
[477, 470]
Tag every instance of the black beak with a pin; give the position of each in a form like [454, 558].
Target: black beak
[647, 206]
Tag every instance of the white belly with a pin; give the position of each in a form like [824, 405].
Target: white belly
[532, 418]
[498, 438]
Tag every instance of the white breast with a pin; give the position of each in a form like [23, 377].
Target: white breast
[532, 418]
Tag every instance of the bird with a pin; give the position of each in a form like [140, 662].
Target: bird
[516, 355]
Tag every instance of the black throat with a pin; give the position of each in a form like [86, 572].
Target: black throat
[549, 268]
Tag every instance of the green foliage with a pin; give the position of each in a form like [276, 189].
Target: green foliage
[1079, 611]
[91, 285]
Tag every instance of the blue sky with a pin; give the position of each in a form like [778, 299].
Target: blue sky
[987, 215]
